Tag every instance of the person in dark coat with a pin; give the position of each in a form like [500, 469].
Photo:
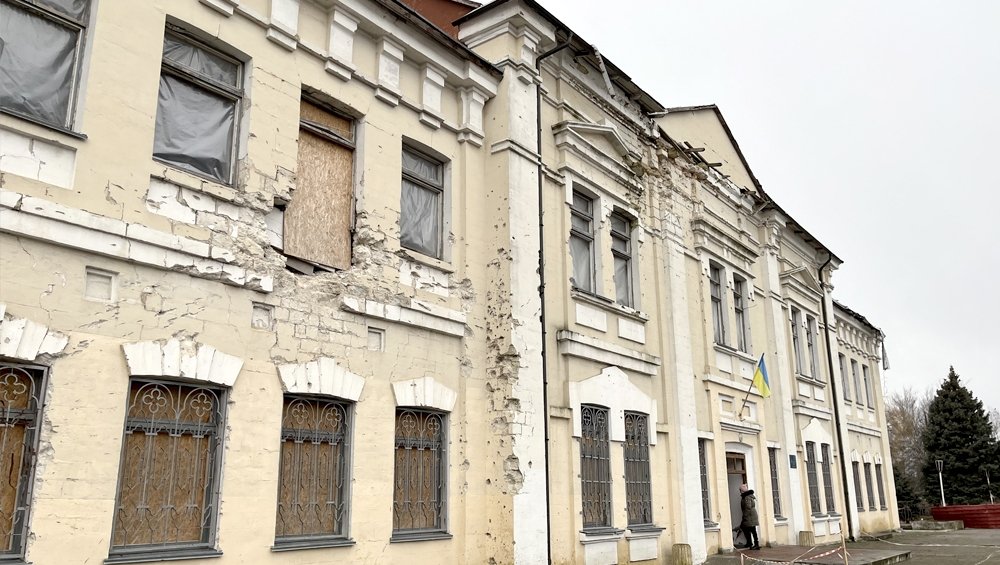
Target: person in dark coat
[750, 521]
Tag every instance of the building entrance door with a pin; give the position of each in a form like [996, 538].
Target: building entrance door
[736, 471]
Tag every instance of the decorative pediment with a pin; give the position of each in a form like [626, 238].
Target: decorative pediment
[24, 339]
[613, 390]
[185, 358]
[803, 280]
[321, 376]
[600, 146]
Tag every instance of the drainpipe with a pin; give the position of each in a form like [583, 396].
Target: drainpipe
[541, 281]
[836, 405]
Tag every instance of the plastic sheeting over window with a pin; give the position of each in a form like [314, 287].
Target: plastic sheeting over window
[194, 129]
[198, 60]
[420, 219]
[37, 64]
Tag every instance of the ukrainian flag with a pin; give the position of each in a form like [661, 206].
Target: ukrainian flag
[760, 378]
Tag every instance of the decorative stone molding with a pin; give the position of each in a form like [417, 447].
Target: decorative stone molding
[428, 317]
[284, 26]
[224, 7]
[613, 390]
[471, 128]
[586, 347]
[431, 87]
[340, 50]
[390, 60]
[24, 339]
[424, 392]
[181, 358]
[322, 376]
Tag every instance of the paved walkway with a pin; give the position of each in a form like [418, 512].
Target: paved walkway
[963, 547]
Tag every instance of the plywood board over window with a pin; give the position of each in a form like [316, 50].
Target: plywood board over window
[318, 220]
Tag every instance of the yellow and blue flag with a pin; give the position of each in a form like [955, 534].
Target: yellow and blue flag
[760, 378]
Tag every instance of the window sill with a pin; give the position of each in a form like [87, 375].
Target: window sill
[749, 357]
[315, 543]
[712, 526]
[163, 555]
[188, 180]
[195, 174]
[640, 531]
[41, 124]
[608, 304]
[426, 260]
[810, 380]
[418, 536]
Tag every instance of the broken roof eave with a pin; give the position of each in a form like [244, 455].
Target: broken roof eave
[646, 102]
[859, 317]
[796, 227]
[729, 133]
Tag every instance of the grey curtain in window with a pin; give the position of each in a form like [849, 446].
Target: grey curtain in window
[423, 168]
[623, 281]
[72, 9]
[583, 263]
[420, 219]
[200, 61]
[194, 129]
[37, 61]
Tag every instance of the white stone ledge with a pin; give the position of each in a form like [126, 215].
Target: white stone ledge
[429, 317]
[864, 430]
[187, 359]
[322, 376]
[424, 392]
[35, 218]
[24, 339]
[578, 345]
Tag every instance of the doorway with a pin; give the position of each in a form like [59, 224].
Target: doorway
[736, 472]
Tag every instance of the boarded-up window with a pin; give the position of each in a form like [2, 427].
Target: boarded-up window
[318, 219]
[418, 503]
[313, 477]
[168, 482]
[20, 390]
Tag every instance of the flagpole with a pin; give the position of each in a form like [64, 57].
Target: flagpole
[745, 398]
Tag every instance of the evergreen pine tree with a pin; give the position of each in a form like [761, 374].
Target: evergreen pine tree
[906, 498]
[958, 432]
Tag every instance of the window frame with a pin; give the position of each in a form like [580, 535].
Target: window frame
[740, 297]
[440, 191]
[440, 529]
[831, 500]
[869, 487]
[235, 94]
[796, 319]
[772, 457]
[706, 493]
[30, 444]
[635, 450]
[812, 334]
[866, 376]
[346, 459]
[589, 236]
[627, 255]
[845, 379]
[76, 75]
[881, 487]
[716, 279]
[812, 480]
[600, 481]
[856, 467]
[857, 383]
[213, 485]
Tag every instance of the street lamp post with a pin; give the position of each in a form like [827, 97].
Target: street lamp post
[940, 466]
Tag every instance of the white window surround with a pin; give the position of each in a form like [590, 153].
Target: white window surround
[23, 339]
[321, 376]
[446, 163]
[612, 389]
[425, 392]
[729, 314]
[176, 358]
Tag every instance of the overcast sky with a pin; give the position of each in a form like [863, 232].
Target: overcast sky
[876, 125]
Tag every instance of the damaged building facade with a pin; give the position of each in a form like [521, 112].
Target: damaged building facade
[300, 281]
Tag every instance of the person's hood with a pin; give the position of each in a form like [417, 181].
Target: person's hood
[748, 493]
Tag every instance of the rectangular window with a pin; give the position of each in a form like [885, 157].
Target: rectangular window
[706, 506]
[868, 387]
[318, 219]
[881, 486]
[418, 503]
[621, 249]
[595, 467]
[313, 475]
[869, 486]
[796, 349]
[845, 379]
[857, 383]
[421, 216]
[581, 242]
[718, 313]
[811, 347]
[21, 390]
[814, 504]
[772, 456]
[197, 108]
[169, 478]
[40, 51]
[638, 493]
[739, 305]
[831, 505]
[857, 485]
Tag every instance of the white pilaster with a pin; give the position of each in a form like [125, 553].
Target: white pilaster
[284, 26]
[473, 103]
[340, 49]
[390, 60]
[431, 87]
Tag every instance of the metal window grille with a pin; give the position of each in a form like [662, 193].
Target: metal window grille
[313, 472]
[857, 383]
[845, 378]
[718, 315]
[868, 386]
[198, 107]
[581, 242]
[811, 346]
[42, 44]
[831, 505]
[595, 467]
[869, 486]
[772, 457]
[421, 222]
[811, 478]
[739, 307]
[168, 483]
[21, 390]
[419, 488]
[881, 486]
[857, 486]
[796, 350]
[638, 492]
[621, 249]
[706, 506]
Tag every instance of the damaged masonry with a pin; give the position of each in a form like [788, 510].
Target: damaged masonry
[379, 281]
